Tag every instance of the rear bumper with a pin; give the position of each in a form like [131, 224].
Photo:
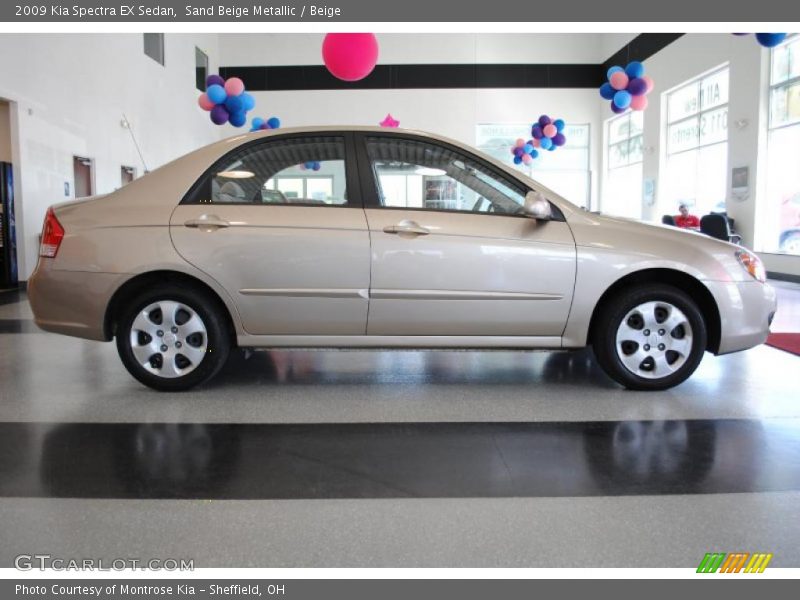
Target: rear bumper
[746, 309]
[71, 302]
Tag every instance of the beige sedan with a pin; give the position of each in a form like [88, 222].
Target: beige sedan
[363, 237]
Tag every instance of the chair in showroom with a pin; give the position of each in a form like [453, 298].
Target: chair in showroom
[716, 226]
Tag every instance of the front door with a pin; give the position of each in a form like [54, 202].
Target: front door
[451, 253]
[279, 224]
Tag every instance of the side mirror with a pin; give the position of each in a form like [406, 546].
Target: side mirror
[537, 207]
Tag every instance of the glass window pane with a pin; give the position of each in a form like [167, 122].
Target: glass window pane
[637, 122]
[443, 178]
[714, 126]
[781, 215]
[780, 64]
[623, 192]
[618, 155]
[714, 90]
[308, 171]
[619, 129]
[683, 136]
[785, 105]
[793, 49]
[635, 150]
[683, 102]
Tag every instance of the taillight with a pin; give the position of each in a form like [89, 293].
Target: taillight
[52, 234]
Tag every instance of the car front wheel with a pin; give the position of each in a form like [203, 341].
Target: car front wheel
[172, 338]
[650, 337]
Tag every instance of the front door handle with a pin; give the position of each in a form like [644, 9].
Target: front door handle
[410, 227]
[207, 223]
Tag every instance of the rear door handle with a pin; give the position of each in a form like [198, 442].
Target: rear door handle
[407, 227]
[207, 223]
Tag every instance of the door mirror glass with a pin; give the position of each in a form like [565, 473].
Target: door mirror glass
[537, 206]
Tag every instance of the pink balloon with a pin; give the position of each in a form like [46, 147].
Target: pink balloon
[639, 102]
[549, 130]
[650, 84]
[537, 143]
[204, 102]
[527, 159]
[234, 86]
[519, 143]
[350, 56]
[618, 80]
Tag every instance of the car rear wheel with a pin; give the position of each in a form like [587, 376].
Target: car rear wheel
[172, 338]
[650, 337]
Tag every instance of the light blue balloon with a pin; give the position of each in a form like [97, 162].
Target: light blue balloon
[613, 70]
[527, 148]
[274, 123]
[257, 122]
[559, 123]
[622, 99]
[216, 93]
[248, 102]
[634, 69]
[546, 143]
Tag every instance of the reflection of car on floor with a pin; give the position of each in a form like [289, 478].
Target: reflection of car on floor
[789, 225]
[203, 255]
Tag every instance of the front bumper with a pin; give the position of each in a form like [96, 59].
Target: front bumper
[746, 309]
[71, 302]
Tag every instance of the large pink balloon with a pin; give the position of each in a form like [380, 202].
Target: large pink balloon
[650, 84]
[350, 56]
[519, 143]
[234, 86]
[204, 102]
[527, 159]
[618, 80]
[549, 130]
[639, 102]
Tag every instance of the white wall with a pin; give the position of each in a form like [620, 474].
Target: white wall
[69, 93]
[683, 60]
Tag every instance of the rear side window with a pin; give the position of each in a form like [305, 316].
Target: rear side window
[307, 171]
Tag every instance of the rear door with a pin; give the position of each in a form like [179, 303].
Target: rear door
[451, 252]
[279, 223]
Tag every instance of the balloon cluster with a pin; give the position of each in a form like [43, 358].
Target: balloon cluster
[627, 87]
[258, 124]
[311, 165]
[524, 152]
[226, 101]
[548, 134]
[768, 40]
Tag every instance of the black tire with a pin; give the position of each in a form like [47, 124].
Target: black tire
[610, 318]
[216, 340]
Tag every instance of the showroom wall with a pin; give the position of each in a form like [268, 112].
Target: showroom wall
[687, 58]
[73, 106]
[451, 112]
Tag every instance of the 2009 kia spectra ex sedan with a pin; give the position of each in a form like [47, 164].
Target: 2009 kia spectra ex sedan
[364, 237]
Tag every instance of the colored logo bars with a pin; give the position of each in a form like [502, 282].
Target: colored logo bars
[735, 562]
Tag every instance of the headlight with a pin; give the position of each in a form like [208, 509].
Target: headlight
[752, 264]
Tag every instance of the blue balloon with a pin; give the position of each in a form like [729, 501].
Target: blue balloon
[607, 92]
[248, 102]
[559, 123]
[309, 164]
[634, 69]
[234, 104]
[535, 153]
[613, 70]
[257, 123]
[770, 40]
[553, 147]
[216, 93]
[527, 148]
[237, 119]
[622, 99]
[517, 160]
[546, 143]
[274, 123]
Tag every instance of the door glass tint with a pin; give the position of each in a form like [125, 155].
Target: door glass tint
[307, 171]
[424, 175]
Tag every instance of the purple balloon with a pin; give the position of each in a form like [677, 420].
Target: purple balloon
[219, 116]
[544, 120]
[559, 139]
[537, 132]
[616, 109]
[214, 80]
[519, 151]
[637, 86]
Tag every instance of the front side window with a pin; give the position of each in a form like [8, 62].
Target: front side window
[308, 171]
[414, 174]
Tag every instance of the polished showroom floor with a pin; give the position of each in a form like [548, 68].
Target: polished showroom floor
[396, 458]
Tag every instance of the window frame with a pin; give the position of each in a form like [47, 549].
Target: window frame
[370, 186]
[352, 181]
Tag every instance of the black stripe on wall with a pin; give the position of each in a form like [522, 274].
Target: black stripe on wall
[450, 76]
